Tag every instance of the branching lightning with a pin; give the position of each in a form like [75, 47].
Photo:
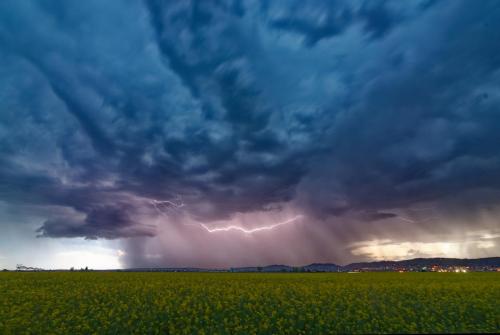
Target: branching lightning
[249, 231]
[167, 207]
[420, 220]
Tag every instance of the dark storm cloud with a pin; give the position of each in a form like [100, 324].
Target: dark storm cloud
[318, 20]
[354, 109]
[105, 222]
[423, 130]
[205, 137]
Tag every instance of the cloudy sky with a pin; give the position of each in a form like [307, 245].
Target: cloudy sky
[226, 133]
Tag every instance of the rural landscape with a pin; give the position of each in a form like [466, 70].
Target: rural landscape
[249, 303]
[249, 167]
[415, 296]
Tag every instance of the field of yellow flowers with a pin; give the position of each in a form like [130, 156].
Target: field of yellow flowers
[230, 303]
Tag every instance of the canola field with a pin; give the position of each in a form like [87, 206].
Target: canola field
[239, 303]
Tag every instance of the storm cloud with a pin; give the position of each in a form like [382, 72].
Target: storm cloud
[141, 120]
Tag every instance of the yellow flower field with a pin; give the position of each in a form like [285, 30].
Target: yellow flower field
[229, 303]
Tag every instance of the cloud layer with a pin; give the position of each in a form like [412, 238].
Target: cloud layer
[374, 121]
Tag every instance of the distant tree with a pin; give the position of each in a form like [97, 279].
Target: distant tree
[86, 268]
[4, 270]
[72, 269]
[259, 268]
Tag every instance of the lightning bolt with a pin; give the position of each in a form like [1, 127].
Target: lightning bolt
[427, 219]
[406, 219]
[245, 230]
[163, 206]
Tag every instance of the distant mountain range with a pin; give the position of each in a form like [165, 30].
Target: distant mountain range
[416, 263]
[428, 262]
